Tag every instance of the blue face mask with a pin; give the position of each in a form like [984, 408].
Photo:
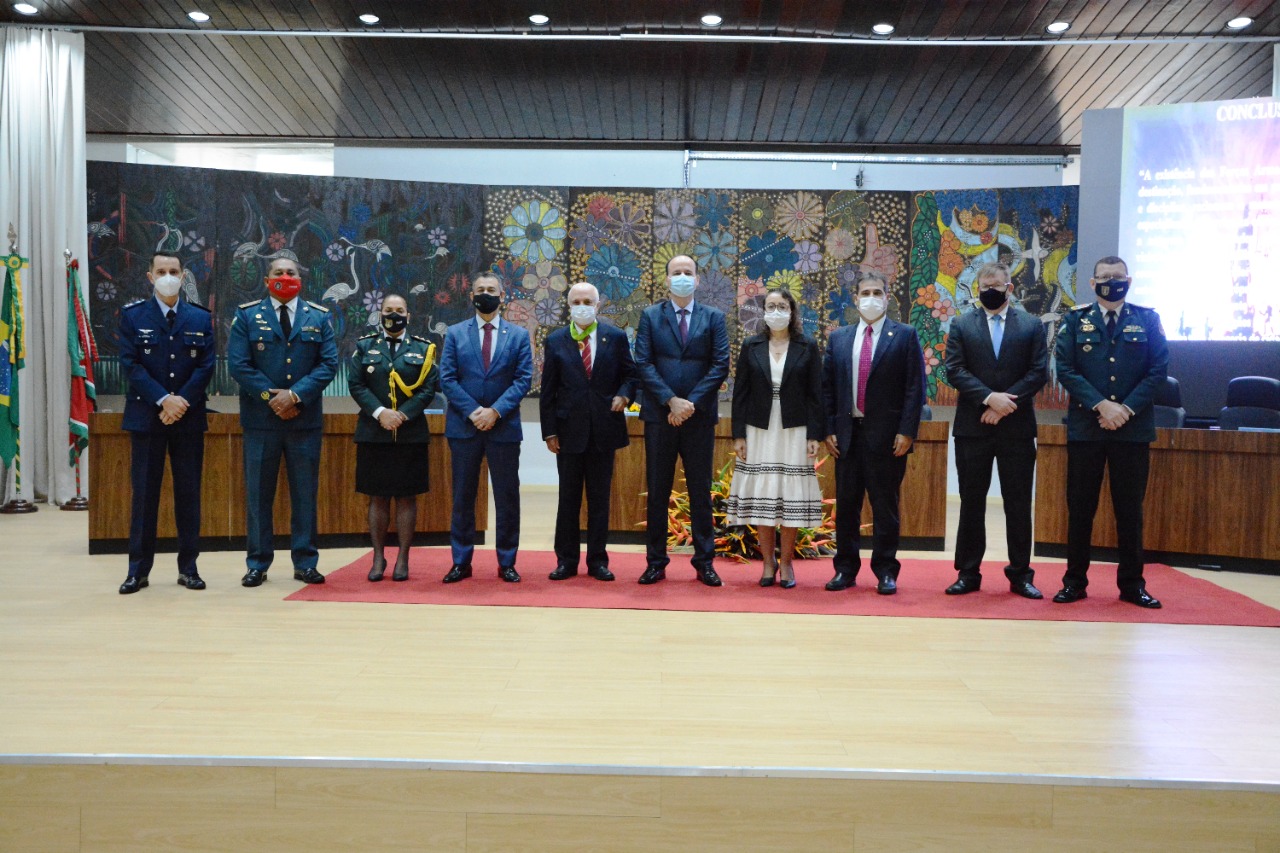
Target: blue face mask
[683, 285]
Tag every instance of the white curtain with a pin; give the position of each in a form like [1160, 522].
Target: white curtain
[43, 194]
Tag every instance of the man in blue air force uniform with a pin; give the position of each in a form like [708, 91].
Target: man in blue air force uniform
[282, 352]
[1111, 357]
[167, 352]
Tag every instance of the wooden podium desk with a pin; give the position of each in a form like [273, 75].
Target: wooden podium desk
[924, 489]
[341, 512]
[1213, 500]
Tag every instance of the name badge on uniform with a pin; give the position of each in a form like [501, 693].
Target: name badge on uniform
[1132, 328]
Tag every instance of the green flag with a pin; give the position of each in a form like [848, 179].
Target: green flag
[12, 357]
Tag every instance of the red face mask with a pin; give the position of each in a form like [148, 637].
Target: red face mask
[284, 287]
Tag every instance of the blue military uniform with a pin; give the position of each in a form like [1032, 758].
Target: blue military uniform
[260, 358]
[160, 358]
[1125, 366]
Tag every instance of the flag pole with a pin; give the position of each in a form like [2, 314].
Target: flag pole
[79, 503]
[16, 505]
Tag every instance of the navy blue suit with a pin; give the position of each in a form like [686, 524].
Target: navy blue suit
[467, 386]
[693, 370]
[159, 360]
[576, 409]
[866, 465]
[260, 358]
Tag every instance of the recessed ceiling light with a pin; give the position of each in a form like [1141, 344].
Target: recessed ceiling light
[25, 8]
[712, 20]
[1058, 27]
[366, 18]
[883, 29]
[198, 17]
[1239, 23]
[539, 20]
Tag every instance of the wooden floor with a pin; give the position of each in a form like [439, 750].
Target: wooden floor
[855, 732]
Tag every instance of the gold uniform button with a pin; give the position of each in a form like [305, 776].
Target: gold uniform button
[1113, 396]
[290, 376]
[288, 361]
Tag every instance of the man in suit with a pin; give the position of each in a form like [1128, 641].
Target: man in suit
[1111, 357]
[167, 353]
[997, 360]
[682, 358]
[282, 352]
[486, 370]
[873, 386]
[587, 383]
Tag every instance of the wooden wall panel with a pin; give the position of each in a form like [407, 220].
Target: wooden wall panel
[1210, 492]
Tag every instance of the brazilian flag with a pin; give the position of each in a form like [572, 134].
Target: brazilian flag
[12, 358]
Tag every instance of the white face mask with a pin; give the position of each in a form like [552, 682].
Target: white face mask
[871, 307]
[683, 285]
[777, 320]
[167, 285]
[583, 315]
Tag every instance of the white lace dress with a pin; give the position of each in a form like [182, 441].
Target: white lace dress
[777, 485]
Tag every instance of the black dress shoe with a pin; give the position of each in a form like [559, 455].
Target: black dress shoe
[887, 586]
[1140, 598]
[653, 574]
[1026, 590]
[1069, 594]
[375, 573]
[509, 574]
[709, 577]
[401, 573]
[457, 573]
[563, 572]
[964, 584]
[191, 580]
[308, 576]
[600, 573]
[132, 585]
[842, 580]
[253, 577]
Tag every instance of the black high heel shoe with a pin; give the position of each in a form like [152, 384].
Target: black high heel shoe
[788, 583]
[401, 573]
[767, 580]
[375, 573]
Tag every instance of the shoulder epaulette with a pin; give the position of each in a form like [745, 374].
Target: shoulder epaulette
[318, 307]
[372, 334]
[135, 302]
[420, 338]
[250, 303]
[197, 305]
[1082, 306]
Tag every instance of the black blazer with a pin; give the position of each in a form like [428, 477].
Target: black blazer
[974, 371]
[895, 388]
[576, 409]
[800, 395]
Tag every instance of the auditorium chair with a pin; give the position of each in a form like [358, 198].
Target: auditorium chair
[1168, 405]
[1252, 401]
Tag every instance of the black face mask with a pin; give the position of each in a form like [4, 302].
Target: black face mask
[1112, 290]
[394, 323]
[486, 303]
[992, 299]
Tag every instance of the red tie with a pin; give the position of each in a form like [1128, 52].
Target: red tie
[486, 347]
[586, 354]
[684, 325]
[864, 370]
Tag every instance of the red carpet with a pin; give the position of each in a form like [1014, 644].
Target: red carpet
[1187, 600]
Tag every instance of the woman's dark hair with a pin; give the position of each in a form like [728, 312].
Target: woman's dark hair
[796, 329]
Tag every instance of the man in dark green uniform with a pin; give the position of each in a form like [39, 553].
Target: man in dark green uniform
[1111, 357]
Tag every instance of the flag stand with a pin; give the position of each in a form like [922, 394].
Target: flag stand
[86, 350]
[16, 506]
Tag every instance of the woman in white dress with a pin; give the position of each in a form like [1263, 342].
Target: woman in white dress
[778, 422]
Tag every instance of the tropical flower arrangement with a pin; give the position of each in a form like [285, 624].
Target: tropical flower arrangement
[739, 542]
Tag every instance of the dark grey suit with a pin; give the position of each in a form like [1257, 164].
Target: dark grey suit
[976, 372]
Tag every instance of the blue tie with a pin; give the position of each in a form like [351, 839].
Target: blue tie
[997, 333]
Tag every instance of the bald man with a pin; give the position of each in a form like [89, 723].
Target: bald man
[588, 378]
